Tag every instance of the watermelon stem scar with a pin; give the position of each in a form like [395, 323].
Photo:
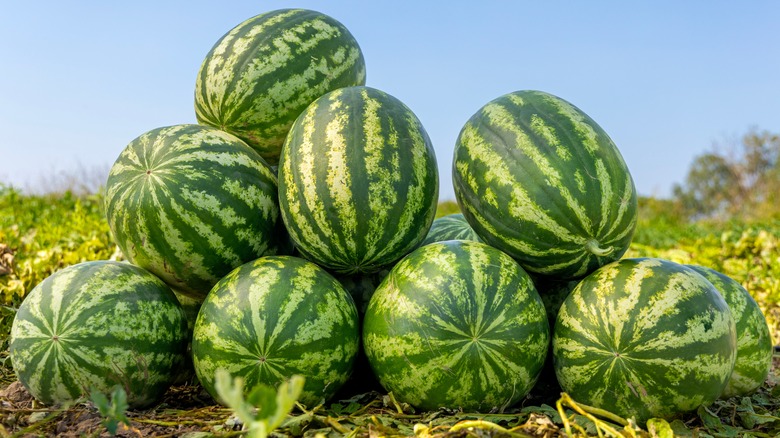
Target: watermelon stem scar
[593, 247]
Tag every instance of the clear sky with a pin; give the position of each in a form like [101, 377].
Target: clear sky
[665, 79]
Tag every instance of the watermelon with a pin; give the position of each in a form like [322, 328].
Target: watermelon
[190, 203]
[450, 227]
[95, 325]
[644, 338]
[358, 181]
[540, 180]
[754, 342]
[265, 71]
[361, 287]
[191, 306]
[553, 294]
[458, 325]
[275, 317]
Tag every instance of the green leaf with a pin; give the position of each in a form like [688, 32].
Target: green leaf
[751, 419]
[709, 419]
[276, 403]
[113, 411]
[715, 426]
[659, 428]
[264, 399]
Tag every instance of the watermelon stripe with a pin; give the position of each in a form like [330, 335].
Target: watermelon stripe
[358, 181]
[754, 341]
[643, 338]
[259, 76]
[539, 179]
[190, 203]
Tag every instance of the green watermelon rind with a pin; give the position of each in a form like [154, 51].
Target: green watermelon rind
[190, 203]
[754, 341]
[94, 325]
[456, 325]
[265, 71]
[644, 338]
[539, 179]
[273, 318]
[358, 181]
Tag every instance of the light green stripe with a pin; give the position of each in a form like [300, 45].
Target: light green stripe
[339, 183]
[381, 192]
[617, 229]
[302, 152]
[521, 205]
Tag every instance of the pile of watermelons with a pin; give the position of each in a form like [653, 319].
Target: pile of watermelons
[296, 223]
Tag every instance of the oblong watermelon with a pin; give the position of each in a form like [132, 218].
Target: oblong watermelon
[754, 341]
[450, 227]
[539, 179]
[265, 71]
[456, 324]
[644, 338]
[190, 203]
[95, 325]
[275, 317]
[358, 181]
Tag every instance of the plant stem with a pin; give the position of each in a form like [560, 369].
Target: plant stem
[593, 247]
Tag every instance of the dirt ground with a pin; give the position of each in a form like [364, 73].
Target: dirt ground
[184, 411]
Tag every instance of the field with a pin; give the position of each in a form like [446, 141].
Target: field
[41, 234]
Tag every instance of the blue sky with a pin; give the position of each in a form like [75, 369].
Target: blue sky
[665, 79]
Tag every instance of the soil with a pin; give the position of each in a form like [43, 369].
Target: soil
[184, 411]
[188, 411]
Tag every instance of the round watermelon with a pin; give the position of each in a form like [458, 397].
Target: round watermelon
[450, 227]
[644, 338]
[458, 325]
[95, 325]
[190, 203]
[273, 318]
[539, 179]
[264, 72]
[358, 181]
[754, 342]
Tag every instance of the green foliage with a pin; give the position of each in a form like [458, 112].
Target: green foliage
[661, 222]
[264, 408]
[447, 207]
[113, 411]
[40, 234]
[748, 253]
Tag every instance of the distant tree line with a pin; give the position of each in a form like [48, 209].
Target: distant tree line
[739, 179]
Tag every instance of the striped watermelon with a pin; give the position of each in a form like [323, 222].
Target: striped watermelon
[553, 294]
[456, 324]
[264, 72]
[539, 179]
[95, 325]
[358, 181]
[450, 227]
[190, 306]
[190, 203]
[361, 287]
[275, 317]
[644, 338]
[754, 342]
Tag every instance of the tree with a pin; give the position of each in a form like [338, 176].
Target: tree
[740, 179]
